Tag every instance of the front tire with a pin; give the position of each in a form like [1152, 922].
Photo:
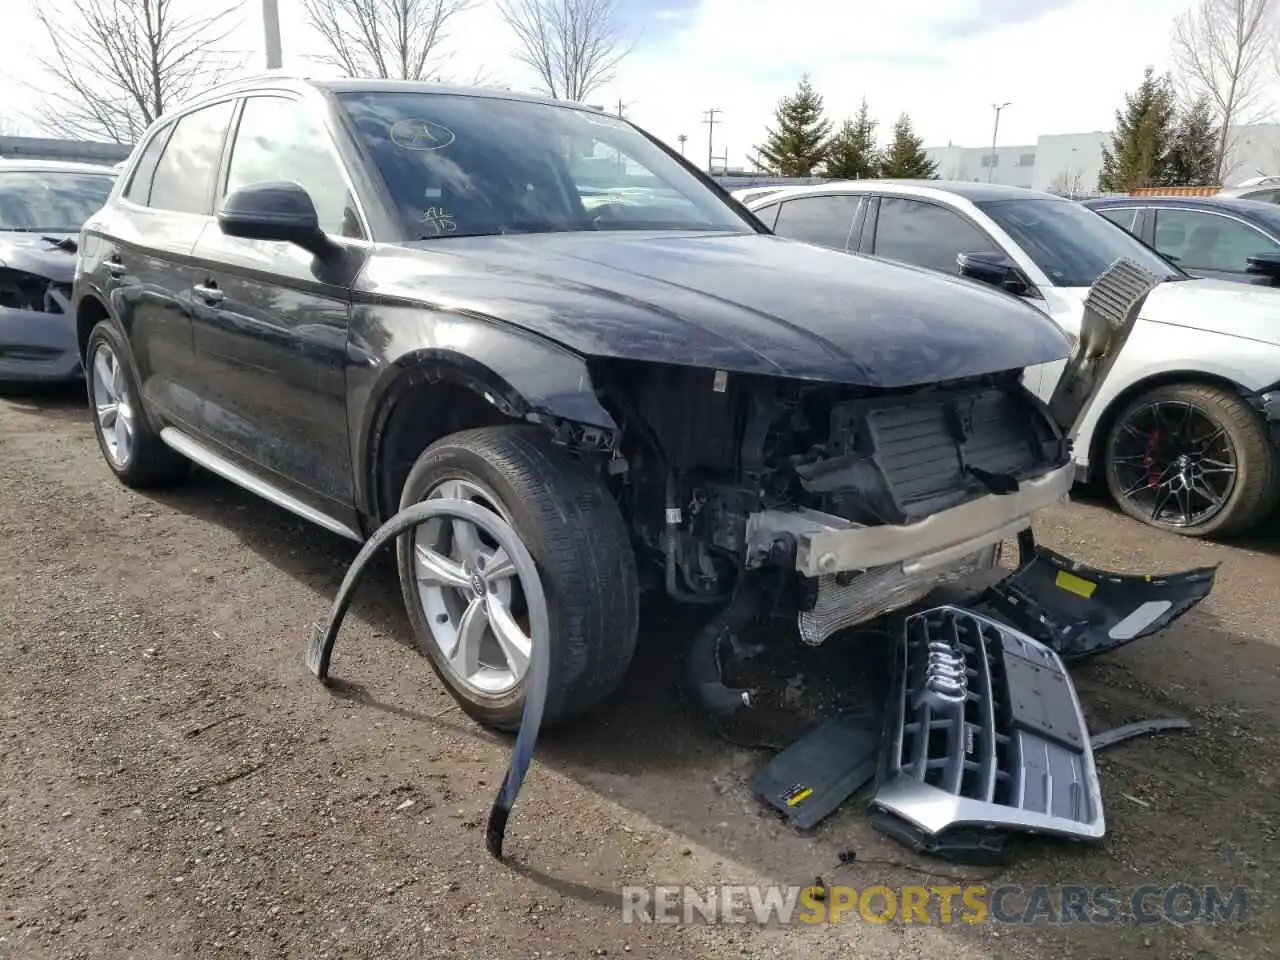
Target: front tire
[134, 452]
[576, 535]
[1192, 459]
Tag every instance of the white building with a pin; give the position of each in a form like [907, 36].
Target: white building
[1071, 162]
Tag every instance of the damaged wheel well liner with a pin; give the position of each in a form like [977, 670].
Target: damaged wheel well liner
[430, 394]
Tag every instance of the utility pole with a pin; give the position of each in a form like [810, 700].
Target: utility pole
[621, 107]
[997, 107]
[711, 122]
[271, 33]
[682, 138]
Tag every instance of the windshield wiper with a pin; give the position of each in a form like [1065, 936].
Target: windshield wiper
[68, 244]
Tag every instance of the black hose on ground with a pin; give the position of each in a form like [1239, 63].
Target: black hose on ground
[323, 637]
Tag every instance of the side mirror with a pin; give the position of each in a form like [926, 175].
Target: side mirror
[993, 269]
[274, 211]
[1265, 264]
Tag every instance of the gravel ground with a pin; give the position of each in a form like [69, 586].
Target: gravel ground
[173, 783]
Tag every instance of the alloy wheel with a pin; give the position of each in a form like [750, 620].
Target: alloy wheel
[472, 595]
[1175, 464]
[113, 408]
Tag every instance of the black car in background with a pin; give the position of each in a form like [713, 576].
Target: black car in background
[351, 296]
[43, 204]
[1218, 237]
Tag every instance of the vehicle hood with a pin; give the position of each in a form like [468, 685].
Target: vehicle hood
[1219, 306]
[743, 303]
[29, 253]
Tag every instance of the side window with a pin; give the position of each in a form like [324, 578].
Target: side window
[278, 139]
[767, 215]
[1124, 217]
[185, 174]
[1196, 240]
[926, 234]
[824, 221]
[139, 189]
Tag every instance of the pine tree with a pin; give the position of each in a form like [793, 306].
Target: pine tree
[799, 141]
[1139, 151]
[905, 157]
[853, 154]
[1193, 149]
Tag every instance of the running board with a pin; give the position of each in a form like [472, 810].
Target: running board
[197, 452]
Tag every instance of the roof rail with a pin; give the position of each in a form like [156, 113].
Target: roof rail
[257, 77]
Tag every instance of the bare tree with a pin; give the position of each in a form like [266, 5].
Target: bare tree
[1224, 50]
[120, 64]
[1067, 183]
[573, 46]
[396, 39]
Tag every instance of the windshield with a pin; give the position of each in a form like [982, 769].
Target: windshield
[1071, 243]
[44, 201]
[458, 166]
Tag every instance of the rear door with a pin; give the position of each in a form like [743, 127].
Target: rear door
[1209, 244]
[271, 319]
[825, 220]
[152, 230]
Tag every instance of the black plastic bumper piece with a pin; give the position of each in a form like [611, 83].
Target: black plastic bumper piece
[809, 780]
[1079, 611]
[319, 650]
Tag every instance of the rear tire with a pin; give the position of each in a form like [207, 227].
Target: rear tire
[573, 529]
[134, 452]
[1254, 490]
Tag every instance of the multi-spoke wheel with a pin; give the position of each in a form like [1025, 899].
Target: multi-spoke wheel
[1192, 459]
[112, 404]
[466, 598]
[133, 451]
[473, 596]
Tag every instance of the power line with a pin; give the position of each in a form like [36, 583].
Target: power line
[710, 121]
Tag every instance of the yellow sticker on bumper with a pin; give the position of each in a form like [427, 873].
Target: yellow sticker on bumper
[800, 797]
[1077, 585]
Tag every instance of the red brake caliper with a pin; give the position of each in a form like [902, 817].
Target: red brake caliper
[1149, 458]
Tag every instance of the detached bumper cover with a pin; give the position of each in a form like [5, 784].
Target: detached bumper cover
[984, 729]
[1080, 611]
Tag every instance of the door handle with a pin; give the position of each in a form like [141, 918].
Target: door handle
[209, 293]
[115, 267]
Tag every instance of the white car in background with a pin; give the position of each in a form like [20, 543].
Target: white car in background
[1185, 431]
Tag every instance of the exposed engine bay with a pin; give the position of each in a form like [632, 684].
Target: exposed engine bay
[868, 498]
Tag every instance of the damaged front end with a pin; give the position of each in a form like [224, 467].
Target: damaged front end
[982, 733]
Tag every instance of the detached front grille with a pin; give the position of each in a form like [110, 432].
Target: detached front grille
[985, 729]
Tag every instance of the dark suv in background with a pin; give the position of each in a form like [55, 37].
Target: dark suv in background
[352, 296]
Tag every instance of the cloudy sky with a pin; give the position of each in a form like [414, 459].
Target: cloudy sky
[1063, 64]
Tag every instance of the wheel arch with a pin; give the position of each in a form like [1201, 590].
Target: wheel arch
[1102, 426]
[90, 311]
[431, 392]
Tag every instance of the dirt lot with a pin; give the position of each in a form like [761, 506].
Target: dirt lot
[173, 784]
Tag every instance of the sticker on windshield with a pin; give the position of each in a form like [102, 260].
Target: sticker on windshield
[440, 220]
[420, 135]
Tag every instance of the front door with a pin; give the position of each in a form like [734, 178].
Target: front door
[271, 319]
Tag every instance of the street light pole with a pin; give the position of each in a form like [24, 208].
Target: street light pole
[271, 33]
[995, 130]
[682, 138]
